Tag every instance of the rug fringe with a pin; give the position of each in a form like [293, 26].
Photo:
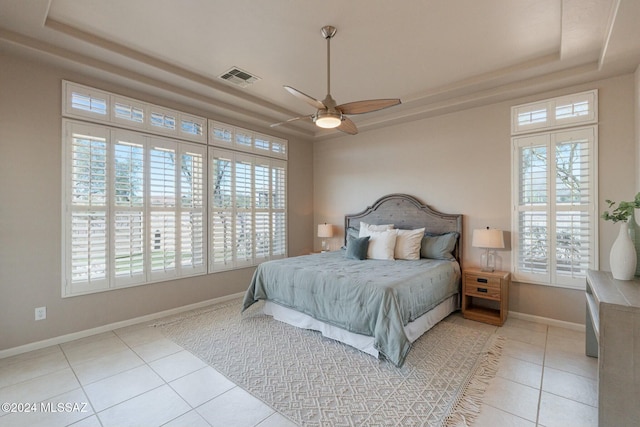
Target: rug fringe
[467, 407]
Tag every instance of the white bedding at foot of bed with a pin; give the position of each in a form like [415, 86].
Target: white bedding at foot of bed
[413, 330]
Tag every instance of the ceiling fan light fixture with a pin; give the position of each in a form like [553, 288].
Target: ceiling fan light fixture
[328, 120]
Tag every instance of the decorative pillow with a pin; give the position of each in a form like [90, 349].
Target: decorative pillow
[366, 229]
[357, 248]
[382, 244]
[438, 246]
[408, 244]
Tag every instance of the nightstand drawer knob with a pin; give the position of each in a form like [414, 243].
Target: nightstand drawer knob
[481, 280]
[483, 290]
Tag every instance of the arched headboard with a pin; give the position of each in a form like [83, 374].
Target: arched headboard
[407, 212]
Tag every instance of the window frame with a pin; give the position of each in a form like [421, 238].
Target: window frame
[106, 124]
[550, 140]
[231, 259]
[114, 137]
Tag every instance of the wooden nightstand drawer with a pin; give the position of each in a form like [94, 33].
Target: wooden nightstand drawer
[482, 280]
[482, 290]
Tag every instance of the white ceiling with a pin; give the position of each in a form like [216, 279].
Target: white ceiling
[436, 55]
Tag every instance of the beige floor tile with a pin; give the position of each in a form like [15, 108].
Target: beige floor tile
[40, 388]
[103, 367]
[494, 417]
[235, 408]
[528, 336]
[91, 421]
[570, 343]
[202, 385]
[74, 407]
[90, 348]
[151, 409]
[512, 397]
[177, 365]
[571, 362]
[190, 419]
[27, 366]
[556, 411]
[525, 324]
[277, 420]
[520, 371]
[524, 351]
[139, 334]
[157, 349]
[571, 386]
[120, 387]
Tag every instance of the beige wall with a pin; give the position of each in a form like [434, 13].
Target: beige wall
[30, 217]
[461, 163]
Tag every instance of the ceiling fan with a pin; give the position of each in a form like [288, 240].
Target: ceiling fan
[329, 115]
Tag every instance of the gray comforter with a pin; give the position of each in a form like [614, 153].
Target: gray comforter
[370, 297]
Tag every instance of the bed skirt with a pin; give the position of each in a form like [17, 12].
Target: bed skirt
[364, 343]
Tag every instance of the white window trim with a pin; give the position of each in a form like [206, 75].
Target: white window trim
[234, 157]
[274, 151]
[110, 118]
[549, 106]
[111, 282]
[550, 209]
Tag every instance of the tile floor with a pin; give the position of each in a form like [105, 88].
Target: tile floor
[136, 377]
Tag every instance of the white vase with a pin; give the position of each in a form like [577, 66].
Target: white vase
[622, 257]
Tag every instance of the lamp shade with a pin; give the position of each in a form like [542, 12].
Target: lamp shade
[487, 238]
[325, 230]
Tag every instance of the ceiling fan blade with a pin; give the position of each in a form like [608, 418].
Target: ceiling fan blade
[306, 98]
[360, 107]
[293, 119]
[347, 126]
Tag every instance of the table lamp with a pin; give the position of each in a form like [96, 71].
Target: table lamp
[488, 239]
[325, 231]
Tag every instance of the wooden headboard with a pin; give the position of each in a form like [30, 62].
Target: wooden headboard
[407, 212]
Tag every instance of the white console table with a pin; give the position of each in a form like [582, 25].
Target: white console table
[613, 336]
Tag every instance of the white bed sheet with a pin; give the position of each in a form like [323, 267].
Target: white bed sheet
[413, 330]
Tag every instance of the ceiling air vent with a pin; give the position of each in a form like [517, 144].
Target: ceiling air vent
[239, 77]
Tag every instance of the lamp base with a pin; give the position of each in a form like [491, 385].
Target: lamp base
[488, 261]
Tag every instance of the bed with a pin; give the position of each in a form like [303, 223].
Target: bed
[379, 306]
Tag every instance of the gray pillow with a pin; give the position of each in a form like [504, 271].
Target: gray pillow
[438, 246]
[357, 248]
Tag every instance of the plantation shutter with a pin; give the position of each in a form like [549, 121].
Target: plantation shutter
[262, 195]
[574, 204]
[192, 209]
[555, 239]
[279, 209]
[243, 201]
[162, 212]
[87, 243]
[221, 246]
[129, 208]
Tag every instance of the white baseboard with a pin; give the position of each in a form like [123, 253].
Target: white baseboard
[110, 327]
[548, 321]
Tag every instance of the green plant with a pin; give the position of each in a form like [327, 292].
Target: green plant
[623, 211]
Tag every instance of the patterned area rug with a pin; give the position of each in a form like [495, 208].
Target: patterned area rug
[316, 381]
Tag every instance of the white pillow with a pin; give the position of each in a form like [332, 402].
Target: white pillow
[408, 244]
[382, 244]
[366, 229]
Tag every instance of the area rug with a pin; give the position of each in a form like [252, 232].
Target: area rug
[316, 381]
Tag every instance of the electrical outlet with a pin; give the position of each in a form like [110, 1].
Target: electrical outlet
[41, 313]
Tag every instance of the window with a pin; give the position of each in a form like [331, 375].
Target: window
[247, 209]
[136, 199]
[135, 208]
[554, 193]
[555, 113]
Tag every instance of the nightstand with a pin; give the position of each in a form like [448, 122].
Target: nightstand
[485, 295]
